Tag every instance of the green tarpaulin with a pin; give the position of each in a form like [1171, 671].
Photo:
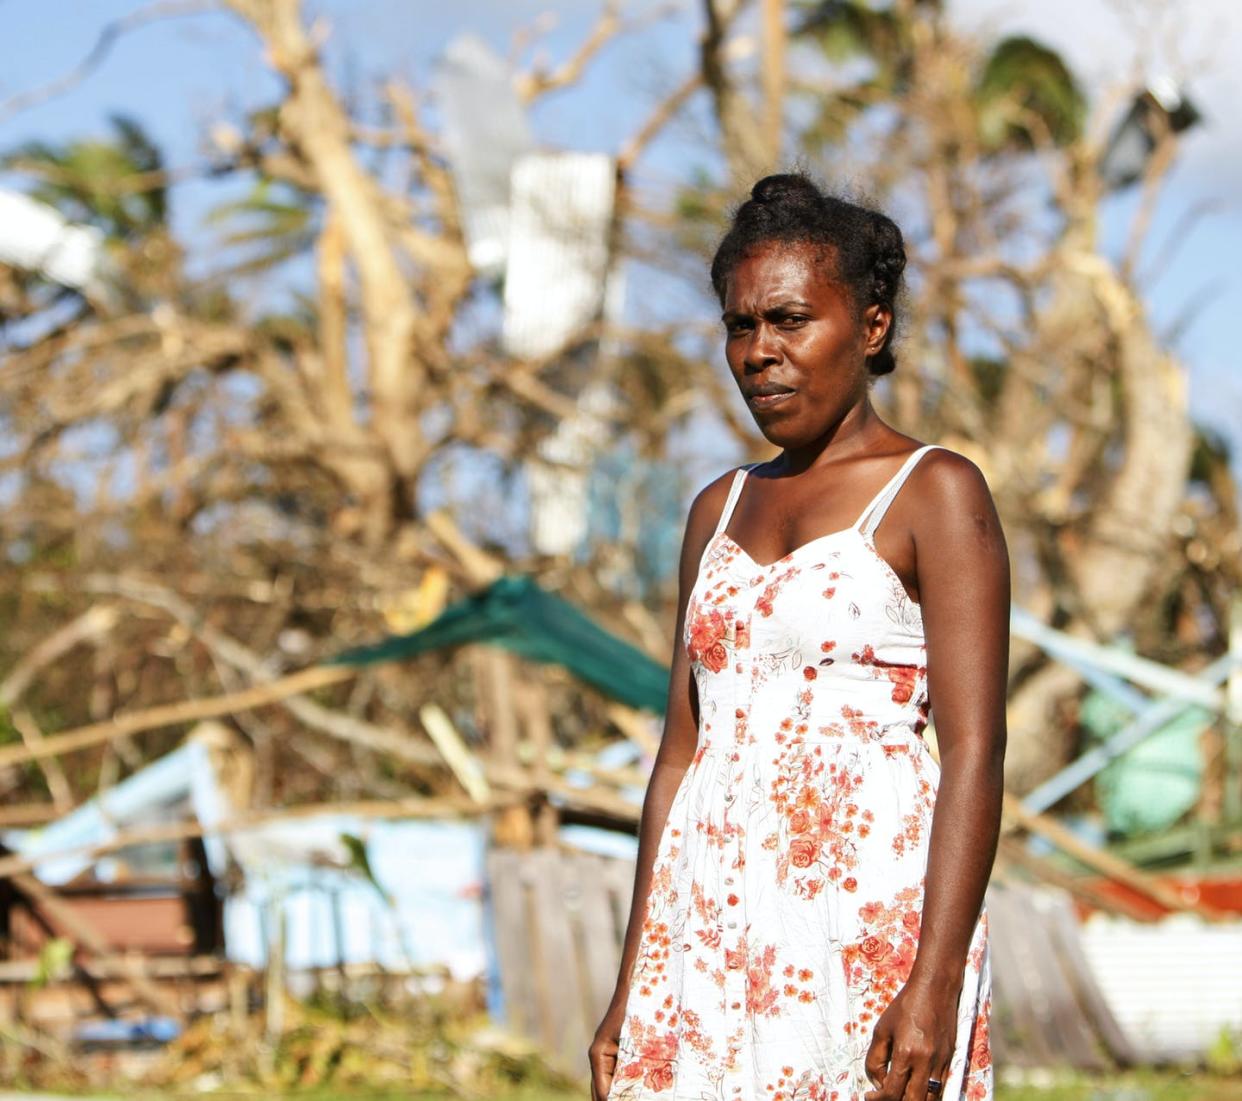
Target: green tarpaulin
[514, 612]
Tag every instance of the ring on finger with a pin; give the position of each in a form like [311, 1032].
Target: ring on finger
[934, 1086]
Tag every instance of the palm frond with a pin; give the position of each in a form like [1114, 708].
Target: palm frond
[1025, 87]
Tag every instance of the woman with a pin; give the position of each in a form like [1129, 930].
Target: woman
[807, 916]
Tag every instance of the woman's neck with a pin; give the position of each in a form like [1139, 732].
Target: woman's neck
[855, 433]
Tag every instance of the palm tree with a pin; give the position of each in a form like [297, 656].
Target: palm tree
[1022, 91]
[117, 184]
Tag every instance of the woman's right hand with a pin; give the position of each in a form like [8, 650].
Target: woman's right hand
[603, 1050]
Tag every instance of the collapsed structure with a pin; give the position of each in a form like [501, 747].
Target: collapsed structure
[150, 904]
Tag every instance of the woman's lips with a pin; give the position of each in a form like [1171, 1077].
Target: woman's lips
[767, 401]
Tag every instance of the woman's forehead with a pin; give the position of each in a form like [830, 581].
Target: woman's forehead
[775, 270]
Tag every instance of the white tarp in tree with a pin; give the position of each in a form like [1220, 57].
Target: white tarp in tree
[35, 237]
[485, 131]
[559, 222]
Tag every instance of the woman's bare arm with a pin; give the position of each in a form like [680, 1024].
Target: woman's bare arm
[962, 567]
[677, 748]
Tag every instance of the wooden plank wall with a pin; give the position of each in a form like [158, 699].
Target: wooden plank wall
[1047, 1008]
[560, 914]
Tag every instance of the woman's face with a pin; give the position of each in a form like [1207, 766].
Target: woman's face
[795, 342]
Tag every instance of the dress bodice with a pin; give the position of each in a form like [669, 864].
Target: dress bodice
[830, 617]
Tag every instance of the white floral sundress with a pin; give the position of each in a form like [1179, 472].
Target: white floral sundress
[787, 886]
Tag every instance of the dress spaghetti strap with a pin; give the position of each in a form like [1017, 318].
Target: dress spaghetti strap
[871, 516]
[735, 491]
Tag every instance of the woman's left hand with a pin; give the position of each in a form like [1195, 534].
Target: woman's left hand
[913, 1042]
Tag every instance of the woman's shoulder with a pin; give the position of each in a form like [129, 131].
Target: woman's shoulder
[948, 484]
[942, 467]
[934, 467]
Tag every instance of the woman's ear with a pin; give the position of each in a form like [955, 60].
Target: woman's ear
[877, 320]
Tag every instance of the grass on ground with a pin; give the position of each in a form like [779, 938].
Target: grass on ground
[1040, 1086]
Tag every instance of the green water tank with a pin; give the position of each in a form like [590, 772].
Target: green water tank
[1152, 785]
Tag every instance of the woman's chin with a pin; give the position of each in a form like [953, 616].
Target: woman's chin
[779, 432]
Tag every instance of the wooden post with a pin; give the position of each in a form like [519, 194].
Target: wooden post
[275, 995]
[531, 698]
[338, 945]
[239, 1001]
[513, 825]
[1233, 720]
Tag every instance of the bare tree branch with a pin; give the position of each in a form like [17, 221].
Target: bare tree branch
[164, 9]
[658, 119]
[745, 144]
[91, 625]
[537, 83]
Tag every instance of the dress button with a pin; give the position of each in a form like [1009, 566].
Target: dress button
[729, 879]
[733, 925]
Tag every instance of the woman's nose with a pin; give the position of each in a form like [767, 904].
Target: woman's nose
[761, 349]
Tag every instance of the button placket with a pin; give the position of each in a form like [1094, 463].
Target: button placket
[732, 917]
[735, 977]
[731, 907]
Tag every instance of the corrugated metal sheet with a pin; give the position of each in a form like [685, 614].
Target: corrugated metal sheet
[1174, 985]
[432, 873]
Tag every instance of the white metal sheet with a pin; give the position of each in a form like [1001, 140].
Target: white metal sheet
[1174, 985]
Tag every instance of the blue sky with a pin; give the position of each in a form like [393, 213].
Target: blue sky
[179, 76]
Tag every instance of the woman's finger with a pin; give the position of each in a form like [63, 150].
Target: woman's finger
[601, 1082]
[894, 1085]
[940, 1073]
[916, 1085]
[603, 1065]
[878, 1055]
[919, 1087]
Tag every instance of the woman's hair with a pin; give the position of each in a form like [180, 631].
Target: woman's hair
[865, 246]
